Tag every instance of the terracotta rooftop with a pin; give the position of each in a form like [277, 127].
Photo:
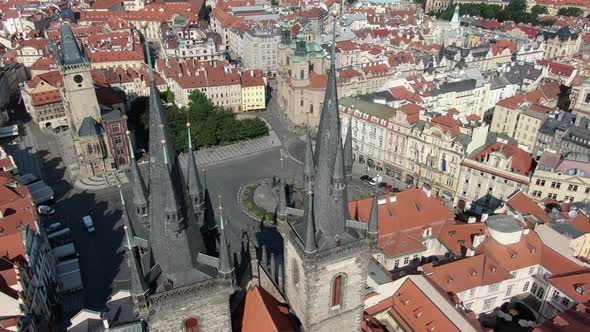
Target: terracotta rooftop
[458, 236]
[524, 205]
[447, 123]
[575, 284]
[262, 312]
[521, 161]
[467, 273]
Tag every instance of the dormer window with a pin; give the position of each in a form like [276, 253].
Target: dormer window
[450, 281]
[580, 290]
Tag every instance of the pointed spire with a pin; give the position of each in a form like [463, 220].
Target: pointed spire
[282, 197]
[138, 283]
[348, 148]
[171, 206]
[310, 240]
[140, 195]
[373, 227]
[308, 164]
[338, 175]
[195, 189]
[225, 265]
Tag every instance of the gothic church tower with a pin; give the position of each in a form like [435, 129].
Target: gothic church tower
[326, 255]
[76, 70]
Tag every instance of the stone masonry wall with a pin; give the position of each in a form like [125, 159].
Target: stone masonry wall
[212, 313]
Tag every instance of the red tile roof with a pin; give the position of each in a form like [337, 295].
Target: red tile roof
[447, 123]
[252, 78]
[415, 311]
[402, 93]
[262, 312]
[458, 236]
[581, 223]
[47, 97]
[467, 273]
[524, 205]
[576, 284]
[521, 161]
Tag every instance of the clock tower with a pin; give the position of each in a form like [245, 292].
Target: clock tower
[80, 97]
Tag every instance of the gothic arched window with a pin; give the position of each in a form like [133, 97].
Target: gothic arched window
[337, 284]
[301, 74]
[89, 148]
[191, 325]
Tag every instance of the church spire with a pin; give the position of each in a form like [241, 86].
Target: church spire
[329, 141]
[195, 190]
[138, 283]
[348, 149]
[140, 196]
[310, 245]
[308, 165]
[225, 265]
[373, 227]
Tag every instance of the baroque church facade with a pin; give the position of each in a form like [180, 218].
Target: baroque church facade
[185, 276]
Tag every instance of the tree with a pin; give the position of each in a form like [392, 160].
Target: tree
[539, 10]
[570, 11]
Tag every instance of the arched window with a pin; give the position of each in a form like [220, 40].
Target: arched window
[89, 147]
[191, 325]
[337, 291]
[311, 108]
[301, 74]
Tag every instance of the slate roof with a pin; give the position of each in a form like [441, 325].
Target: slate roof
[89, 128]
[328, 213]
[70, 52]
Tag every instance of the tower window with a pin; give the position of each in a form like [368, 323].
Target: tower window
[337, 291]
[301, 74]
[191, 325]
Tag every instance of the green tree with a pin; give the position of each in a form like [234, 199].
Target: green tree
[570, 11]
[539, 10]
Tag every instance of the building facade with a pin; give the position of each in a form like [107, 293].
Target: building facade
[490, 175]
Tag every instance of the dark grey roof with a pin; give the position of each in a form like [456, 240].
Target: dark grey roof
[70, 52]
[565, 228]
[225, 260]
[457, 86]
[194, 182]
[176, 233]
[111, 115]
[329, 210]
[138, 283]
[564, 33]
[89, 128]
[519, 72]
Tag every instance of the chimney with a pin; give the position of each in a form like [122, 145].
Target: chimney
[484, 217]
[471, 220]
[477, 240]
[105, 319]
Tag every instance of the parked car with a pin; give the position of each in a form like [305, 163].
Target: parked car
[387, 187]
[88, 223]
[365, 178]
[53, 227]
[375, 180]
[381, 184]
[395, 190]
[45, 210]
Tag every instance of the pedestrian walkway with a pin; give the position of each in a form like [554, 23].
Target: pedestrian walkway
[68, 152]
[232, 151]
